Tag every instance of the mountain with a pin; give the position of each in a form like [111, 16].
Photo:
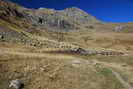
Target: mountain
[29, 26]
[63, 49]
[23, 21]
[62, 20]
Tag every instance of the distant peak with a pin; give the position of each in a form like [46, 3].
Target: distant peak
[74, 9]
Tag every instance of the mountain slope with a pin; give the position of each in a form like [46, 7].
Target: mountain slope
[63, 49]
[64, 20]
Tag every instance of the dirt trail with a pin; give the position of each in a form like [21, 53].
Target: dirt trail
[39, 55]
[116, 74]
[122, 81]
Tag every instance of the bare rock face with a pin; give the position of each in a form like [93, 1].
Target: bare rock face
[68, 19]
[54, 21]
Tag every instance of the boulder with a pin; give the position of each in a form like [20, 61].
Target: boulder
[16, 84]
[119, 28]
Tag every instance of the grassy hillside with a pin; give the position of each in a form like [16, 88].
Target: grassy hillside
[43, 57]
[39, 70]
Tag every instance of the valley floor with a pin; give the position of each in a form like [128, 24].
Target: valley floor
[40, 70]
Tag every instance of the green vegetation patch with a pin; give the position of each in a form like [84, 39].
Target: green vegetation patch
[109, 80]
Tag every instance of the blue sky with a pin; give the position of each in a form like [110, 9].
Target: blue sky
[105, 10]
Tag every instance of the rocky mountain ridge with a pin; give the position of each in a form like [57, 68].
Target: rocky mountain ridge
[63, 20]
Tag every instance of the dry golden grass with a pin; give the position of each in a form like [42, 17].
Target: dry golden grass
[60, 71]
[44, 70]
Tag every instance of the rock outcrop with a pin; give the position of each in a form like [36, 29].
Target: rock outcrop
[16, 84]
[10, 11]
[68, 19]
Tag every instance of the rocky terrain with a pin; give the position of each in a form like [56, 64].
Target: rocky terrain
[63, 49]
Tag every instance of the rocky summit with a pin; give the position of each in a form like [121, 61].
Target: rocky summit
[63, 49]
[57, 20]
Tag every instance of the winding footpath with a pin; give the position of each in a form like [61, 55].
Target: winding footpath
[122, 81]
